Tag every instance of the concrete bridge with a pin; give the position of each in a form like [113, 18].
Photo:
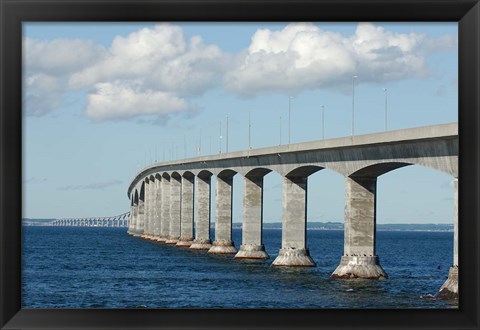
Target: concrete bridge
[168, 200]
[121, 220]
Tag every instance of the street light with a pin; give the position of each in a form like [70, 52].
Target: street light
[249, 131]
[386, 97]
[323, 122]
[220, 139]
[226, 148]
[353, 104]
[289, 115]
[280, 131]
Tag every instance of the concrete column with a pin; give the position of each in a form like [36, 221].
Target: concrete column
[146, 231]
[175, 201]
[359, 259]
[158, 209]
[294, 250]
[131, 223]
[252, 245]
[223, 243]
[186, 227]
[151, 208]
[449, 289]
[165, 211]
[141, 217]
[202, 214]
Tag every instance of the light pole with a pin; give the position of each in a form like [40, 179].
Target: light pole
[184, 146]
[323, 122]
[226, 147]
[353, 104]
[289, 115]
[249, 131]
[220, 139]
[280, 131]
[386, 97]
[200, 144]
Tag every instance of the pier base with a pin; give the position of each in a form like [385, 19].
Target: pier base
[185, 241]
[252, 251]
[449, 289]
[201, 244]
[223, 247]
[292, 257]
[172, 240]
[359, 267]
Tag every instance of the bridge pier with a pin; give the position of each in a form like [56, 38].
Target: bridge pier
[165, 210]
[151, 209]
[252, 247]
[148, 209]
[158, 207]
[202, 213]
[175, 200]
[359, 259]
[294, 251]
[223, 243]
[131, 224]
[140, 217]
[449, 289]
[186, 227]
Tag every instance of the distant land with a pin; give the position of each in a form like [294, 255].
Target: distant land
[36, 222]
[380, 227]
[312, 225]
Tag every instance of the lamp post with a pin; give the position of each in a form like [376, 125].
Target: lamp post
[200, 144]
[289, 115]
[220, 139]
[226, 147]
[353, 104]
[386, 97]
[249, 131]
[323, 122]
[280, 131]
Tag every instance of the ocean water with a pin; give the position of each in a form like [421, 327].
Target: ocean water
[77, 267]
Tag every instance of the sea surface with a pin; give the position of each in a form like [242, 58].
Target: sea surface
[79, 267]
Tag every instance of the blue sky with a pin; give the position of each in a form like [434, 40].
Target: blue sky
[103, 100]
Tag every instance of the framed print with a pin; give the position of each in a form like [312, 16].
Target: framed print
[239, 165]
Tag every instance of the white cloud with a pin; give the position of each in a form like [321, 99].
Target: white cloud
[158, 64]
[302, 56]
[47, 66]
[121, 100]
[162, 58]
[43, 94]
[158, 71]
[60, 56]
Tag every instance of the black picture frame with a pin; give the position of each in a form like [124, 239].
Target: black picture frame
[15, 12]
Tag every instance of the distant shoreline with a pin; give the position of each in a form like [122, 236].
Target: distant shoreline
[335, 226]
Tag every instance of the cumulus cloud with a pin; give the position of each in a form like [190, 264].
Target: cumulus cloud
[155, 73]
[150, 72]
[120, 100]
[60, 56]
[43, 94]
[48, 64]
[92, 186]
[302, 56]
